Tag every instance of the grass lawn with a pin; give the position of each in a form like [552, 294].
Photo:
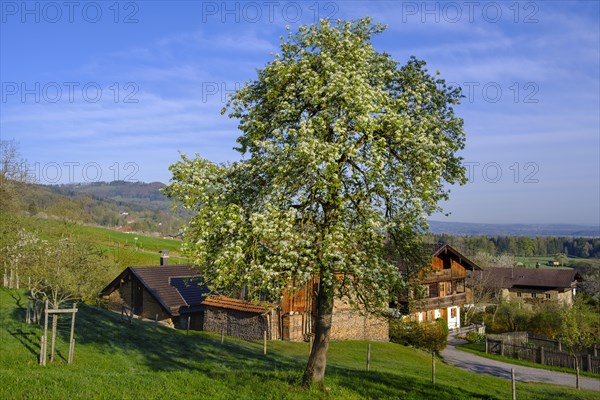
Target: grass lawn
[118, 360]
[479, 349]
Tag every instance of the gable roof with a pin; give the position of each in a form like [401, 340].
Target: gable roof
[178, 289]
[441, 249]
[164, 284]
[508, 278]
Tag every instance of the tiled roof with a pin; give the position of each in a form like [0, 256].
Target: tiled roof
[157, 282]
[178, 288]
[234, 304]
[530, 277]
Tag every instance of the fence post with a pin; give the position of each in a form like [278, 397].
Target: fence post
[433, 368]
[156, 320]
[514, 385]
[45, 331]
[265, 342]
[369, 357]
[486, 346]
[188, 326]
[28, 315]
[42, 350]
[72, 335]
[502, 347]
[542, 357]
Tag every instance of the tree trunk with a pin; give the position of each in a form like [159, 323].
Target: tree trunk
[577, 372]
[317, 361]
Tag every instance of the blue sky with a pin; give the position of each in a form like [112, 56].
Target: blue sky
[104, 90]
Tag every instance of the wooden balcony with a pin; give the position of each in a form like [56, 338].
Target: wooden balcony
[443, 275]
[458, 299]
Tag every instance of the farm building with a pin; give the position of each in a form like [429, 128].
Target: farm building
[173, 294]
[532, 286]
[444, 288]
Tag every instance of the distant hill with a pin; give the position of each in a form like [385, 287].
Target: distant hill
[117, 190]
[475, 229]
[127, 206]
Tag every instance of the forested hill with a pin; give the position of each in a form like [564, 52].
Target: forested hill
[127, 206]
[117, 190]
[531, 230]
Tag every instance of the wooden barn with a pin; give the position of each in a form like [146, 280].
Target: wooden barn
[174, 295]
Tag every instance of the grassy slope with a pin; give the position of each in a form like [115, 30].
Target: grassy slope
[116, 360]
[120, 247]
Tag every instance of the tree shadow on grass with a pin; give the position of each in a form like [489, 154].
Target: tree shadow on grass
[165, 349]
[28, 338]
[392, 386]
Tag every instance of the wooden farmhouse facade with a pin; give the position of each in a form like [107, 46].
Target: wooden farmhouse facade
[440, 290]
[298, 313]
[173, 295]
[533, 286]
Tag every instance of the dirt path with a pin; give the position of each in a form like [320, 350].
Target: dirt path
[481, 365]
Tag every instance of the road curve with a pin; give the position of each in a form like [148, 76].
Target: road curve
[482, 365]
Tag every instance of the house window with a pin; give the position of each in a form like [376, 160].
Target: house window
[447, 263]
[547, 295]
[431, 315]
[453, 312]
[460, 286]
[534, 295]
[433, 290]
[519, 294]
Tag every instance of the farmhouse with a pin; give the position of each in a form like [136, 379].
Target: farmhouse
[173, 294]
[533, 286]
[440, 291]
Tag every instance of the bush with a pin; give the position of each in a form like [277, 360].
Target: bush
[431, 336]
[474, 337]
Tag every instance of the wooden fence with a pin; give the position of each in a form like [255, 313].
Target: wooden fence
[529, 351]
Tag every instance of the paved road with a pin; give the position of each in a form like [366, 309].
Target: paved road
[481, 365]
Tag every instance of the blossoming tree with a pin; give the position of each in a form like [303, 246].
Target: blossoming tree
[344, 153]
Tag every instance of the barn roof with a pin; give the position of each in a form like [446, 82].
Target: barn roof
[170, 285]
[529, 277]
[235, 304]
[178, 288]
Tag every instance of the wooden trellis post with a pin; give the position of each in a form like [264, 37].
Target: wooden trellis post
[72, 335]
[45, 337]
[44, 340]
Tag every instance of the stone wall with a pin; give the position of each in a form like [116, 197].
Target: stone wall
[349, 324]
[532, 296]
[292, 327]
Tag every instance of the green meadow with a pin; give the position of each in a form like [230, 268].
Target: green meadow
[118, 360]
